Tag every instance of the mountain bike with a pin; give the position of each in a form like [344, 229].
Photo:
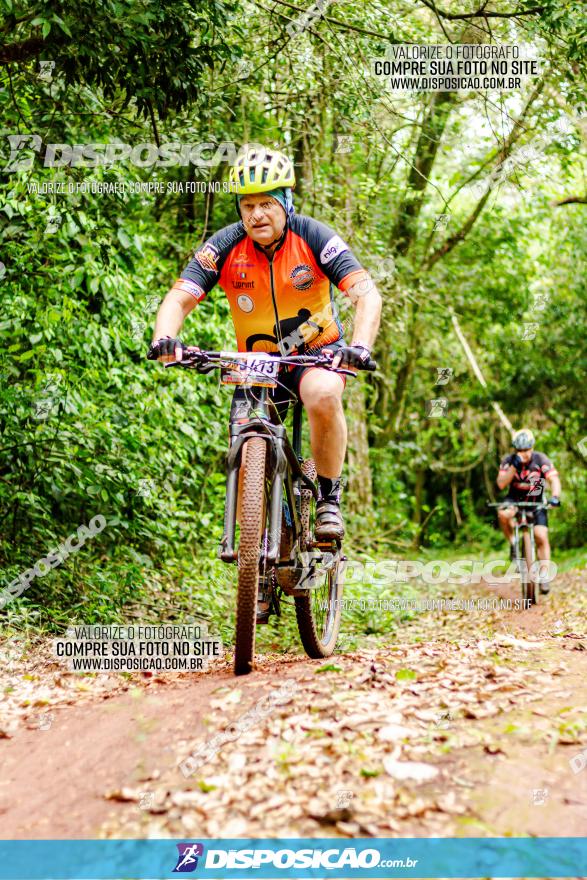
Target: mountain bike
[525, 546]
[277, 554]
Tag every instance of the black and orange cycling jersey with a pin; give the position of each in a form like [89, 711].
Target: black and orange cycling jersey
[280, 304]
[528, 481]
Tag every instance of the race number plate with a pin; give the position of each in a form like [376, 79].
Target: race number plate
[261, 370]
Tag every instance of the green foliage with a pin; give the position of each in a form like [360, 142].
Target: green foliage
[155, 52]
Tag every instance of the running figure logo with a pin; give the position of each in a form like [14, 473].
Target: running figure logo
[187, 861]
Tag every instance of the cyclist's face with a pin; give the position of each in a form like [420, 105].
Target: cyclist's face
[525, 455]
[263, 217]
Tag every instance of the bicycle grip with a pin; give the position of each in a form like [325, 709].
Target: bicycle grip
[371, 365]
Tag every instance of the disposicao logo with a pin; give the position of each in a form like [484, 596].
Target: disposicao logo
[187, 860]
[327, 859]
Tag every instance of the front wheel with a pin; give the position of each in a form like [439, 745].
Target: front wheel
[529, 569]
[318, 610]
[251, 528]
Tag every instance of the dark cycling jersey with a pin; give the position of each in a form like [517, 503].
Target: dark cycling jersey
[528, 481]
[280, 305]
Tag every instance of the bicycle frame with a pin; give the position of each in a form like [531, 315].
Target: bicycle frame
[254, 419]
[257, 416]
[521, 521]
[278, 479]
[524, 524]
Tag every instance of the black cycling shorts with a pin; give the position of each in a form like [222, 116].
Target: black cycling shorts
[540, 517]
[287, 391]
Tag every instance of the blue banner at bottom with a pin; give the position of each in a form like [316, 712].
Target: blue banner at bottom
[300, 858]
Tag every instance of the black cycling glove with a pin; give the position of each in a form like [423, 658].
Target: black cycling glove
[516, 461]
[165, 346]
[352, 356]
[554, 501]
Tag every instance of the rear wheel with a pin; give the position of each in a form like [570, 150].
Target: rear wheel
[318, 610]
[251, 529]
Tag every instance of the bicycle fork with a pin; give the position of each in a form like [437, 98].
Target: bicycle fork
[274, 437]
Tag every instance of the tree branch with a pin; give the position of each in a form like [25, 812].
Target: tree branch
[562, 426]
[25, 51]
[570, 200]
[514, 135]
[481, 13]
[342, 24]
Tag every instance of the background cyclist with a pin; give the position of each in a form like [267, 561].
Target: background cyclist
[524, 473]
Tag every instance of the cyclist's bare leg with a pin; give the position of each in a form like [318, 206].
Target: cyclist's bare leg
[542, 542]
[321, 394]
[505, 516]
[543, 553]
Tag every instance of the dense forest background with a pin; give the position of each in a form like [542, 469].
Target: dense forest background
[468, 208]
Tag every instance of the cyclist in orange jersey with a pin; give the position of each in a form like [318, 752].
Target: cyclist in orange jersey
[278, 270]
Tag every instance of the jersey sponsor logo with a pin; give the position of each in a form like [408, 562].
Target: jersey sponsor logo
[245, 303]
[239, 282]
[302, 277]
[207, 257]
[332, 249]
[242, 260]
[529, 481]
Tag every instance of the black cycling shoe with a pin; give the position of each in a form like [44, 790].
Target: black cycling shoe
[329, 522]
[544, 587]
[263, 602]
[263, 610]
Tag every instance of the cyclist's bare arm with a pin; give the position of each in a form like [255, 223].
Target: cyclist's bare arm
[172, 313]
[367, 301]
[504, 478]
[555, 485]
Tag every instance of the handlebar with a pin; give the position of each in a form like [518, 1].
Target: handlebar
[195, 358]
[534, 504]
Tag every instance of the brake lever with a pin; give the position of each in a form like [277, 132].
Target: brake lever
[326, 363]
[370, 366]
[328, 366]
[188, 364]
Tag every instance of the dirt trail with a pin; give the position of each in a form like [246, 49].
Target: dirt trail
[466, 723]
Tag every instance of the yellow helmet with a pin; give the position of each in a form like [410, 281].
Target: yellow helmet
[260, 169]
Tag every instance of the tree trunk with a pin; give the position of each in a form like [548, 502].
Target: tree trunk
[418, 502]
[391, 403]
[489, 483]
[360, 485]
[455, 501]
[435, 119]
[390, 408]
